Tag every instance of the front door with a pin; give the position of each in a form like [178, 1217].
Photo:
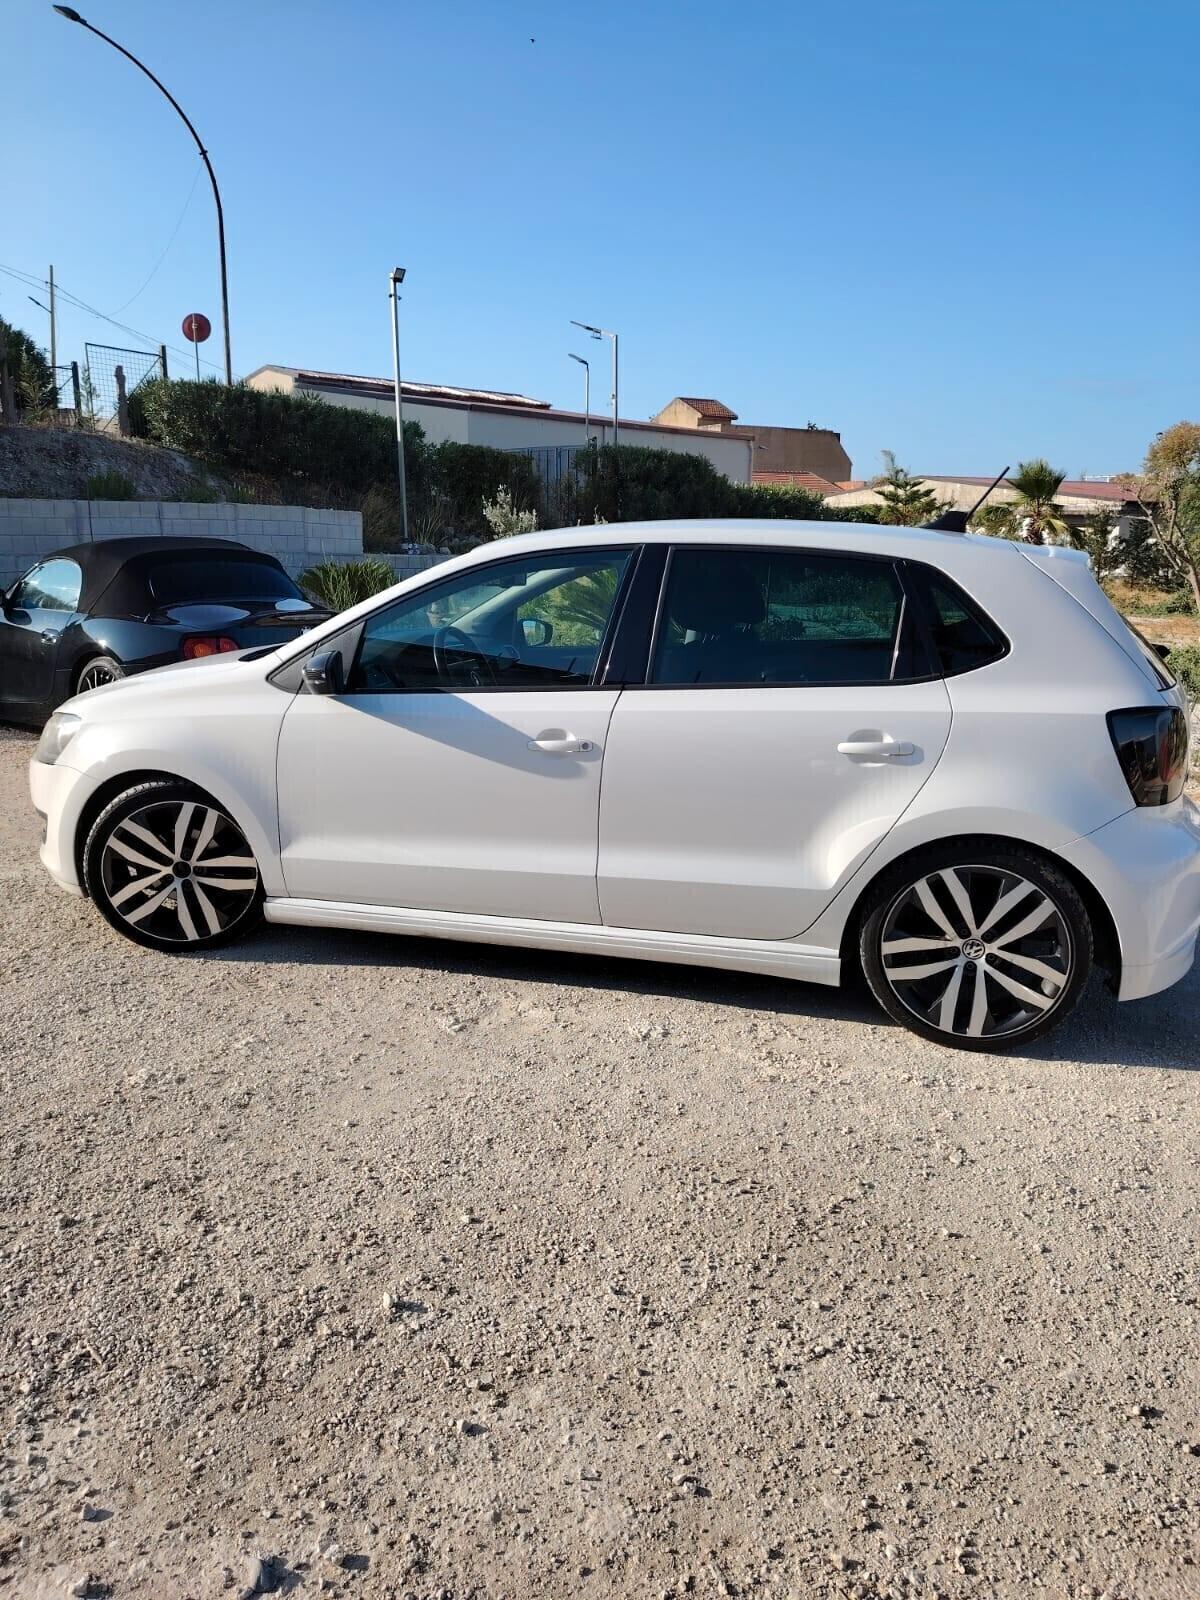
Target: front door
[34, 615]
[783, 731]
[460, 771]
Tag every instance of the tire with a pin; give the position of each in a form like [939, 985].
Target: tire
[1006, 976]
[140, 867]
[97, 671]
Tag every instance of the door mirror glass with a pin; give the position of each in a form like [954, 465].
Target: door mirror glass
[537, 630]
[323, 673]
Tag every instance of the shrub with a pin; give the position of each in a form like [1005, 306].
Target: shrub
[504, 519]
[283, 436]
[1184, 662]
[110, 486]
[465, 475]
[341, 584]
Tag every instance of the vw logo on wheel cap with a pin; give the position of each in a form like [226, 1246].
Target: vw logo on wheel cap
[974, 949]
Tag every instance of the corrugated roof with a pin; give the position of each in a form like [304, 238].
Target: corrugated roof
[799, 480]
[428, 391]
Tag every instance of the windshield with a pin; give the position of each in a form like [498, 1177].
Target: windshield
[188, 581]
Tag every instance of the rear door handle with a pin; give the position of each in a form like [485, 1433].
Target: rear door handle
[881, 749]
[560, 745]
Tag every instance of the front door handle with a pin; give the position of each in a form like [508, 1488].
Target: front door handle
[560, 744]
[51, 635]
[879, 749]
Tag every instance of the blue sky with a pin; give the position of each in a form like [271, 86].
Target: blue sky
[965, 230]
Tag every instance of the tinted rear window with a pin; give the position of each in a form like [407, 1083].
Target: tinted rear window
[963, 636]
[175, 583]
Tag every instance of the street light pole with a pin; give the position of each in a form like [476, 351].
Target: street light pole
[395, 279]
[587, 396]
[605, 333]
[73, 16]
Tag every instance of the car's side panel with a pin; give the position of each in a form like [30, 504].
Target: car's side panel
[732, 811]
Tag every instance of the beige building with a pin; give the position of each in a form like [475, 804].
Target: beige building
[781, 455]
[504, 421]
[1076, 498]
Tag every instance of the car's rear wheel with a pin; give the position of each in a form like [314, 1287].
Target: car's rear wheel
[983, 949]
[98, 671]
[171, 870]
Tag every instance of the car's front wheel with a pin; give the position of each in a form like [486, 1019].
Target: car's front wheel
[983, 949]
[171, 870]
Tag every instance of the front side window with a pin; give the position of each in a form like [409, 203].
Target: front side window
[530, 622]
[778, 616]
[52, 586]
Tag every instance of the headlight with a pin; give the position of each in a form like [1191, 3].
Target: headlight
[56, 736]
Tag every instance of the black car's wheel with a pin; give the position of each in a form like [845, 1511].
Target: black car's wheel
[99, 670]
[170, 870]
[981, 949]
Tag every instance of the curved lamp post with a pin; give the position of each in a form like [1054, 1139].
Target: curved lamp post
[73, 16]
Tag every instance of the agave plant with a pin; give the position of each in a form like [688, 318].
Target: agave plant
[342, 584]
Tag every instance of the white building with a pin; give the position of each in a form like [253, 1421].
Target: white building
[504, 421]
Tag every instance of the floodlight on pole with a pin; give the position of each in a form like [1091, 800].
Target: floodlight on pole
[587, 395]
[605, 333]
[395, 279]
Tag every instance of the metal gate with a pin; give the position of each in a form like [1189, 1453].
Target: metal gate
[110, 375]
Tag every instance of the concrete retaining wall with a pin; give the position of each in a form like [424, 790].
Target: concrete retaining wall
[298, 536]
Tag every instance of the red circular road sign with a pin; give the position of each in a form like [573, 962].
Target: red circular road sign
[196, 327]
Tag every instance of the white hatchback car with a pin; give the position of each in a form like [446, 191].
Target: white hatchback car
[789, 748]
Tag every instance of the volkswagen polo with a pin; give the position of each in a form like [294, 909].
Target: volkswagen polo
[788, 748]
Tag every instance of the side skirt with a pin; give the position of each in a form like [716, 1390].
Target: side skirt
[776, 958]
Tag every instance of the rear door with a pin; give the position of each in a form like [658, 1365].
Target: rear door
[788, 719]
[36, 613]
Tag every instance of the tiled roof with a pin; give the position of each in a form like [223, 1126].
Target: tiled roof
[708, 408]
[798, 480]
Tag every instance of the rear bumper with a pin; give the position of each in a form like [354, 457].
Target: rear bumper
[1146, 867]
[59, 795]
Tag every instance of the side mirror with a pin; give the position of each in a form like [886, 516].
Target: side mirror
[323, 673]
[1164, 651]
[536, 631]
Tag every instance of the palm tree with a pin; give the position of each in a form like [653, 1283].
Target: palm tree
[1032, 516]
[906, 501]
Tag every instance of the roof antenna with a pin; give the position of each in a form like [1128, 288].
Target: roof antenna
[956, 521]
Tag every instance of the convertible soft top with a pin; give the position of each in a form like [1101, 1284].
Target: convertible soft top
[115, 568]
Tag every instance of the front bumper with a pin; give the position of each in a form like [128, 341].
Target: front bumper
[59, 794]
[1146, 867]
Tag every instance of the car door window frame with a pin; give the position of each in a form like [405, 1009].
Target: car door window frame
[13, 600]
[349, 641]
[911, 616]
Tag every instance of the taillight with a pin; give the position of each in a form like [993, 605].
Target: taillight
[1152, 746]
[208, 645]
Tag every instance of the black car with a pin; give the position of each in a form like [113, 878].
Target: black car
[92, 613]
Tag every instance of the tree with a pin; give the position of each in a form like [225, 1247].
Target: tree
[1032, 516]
[907, 503]
[30, 378]
[1168, 491]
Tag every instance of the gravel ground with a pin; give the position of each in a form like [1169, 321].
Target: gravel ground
[364, 1267]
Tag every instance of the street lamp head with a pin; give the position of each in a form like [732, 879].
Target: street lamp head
[587, 328]
[397, 274]
[71, 16]
[574, 357]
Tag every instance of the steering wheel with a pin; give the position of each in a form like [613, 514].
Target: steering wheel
[457, 658]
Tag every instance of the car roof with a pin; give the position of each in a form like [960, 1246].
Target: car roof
[872, 538]
[103, 560]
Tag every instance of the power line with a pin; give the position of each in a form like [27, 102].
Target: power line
[170, 241]
[82, 305]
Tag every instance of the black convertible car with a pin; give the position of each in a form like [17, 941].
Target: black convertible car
[93, 613]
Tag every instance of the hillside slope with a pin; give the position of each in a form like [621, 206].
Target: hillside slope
[55, 464]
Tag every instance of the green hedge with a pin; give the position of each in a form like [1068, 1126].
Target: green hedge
[624, 483]
[465, 475]
[277, 435]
